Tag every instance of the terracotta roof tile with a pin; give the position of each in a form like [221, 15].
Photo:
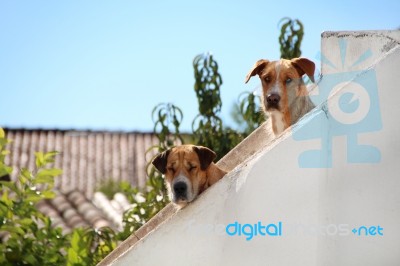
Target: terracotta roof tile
[73, 209]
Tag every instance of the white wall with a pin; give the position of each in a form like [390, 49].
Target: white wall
[317, 203]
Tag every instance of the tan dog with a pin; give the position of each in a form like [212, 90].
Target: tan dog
[285, 97]
[188, 170]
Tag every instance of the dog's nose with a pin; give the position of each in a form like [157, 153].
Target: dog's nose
[180, 188]
[273, 98]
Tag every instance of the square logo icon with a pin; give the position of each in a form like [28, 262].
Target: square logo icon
[352, 109]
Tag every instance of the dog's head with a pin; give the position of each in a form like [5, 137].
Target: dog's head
[184, 168]
[282, 81]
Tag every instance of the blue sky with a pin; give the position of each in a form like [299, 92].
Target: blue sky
[104, 65]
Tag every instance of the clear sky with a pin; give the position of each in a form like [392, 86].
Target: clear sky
[105, 64]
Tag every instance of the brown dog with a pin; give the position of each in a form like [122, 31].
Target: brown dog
[188, 170]
[285, 97]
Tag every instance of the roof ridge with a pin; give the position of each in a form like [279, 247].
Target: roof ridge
[40, 129]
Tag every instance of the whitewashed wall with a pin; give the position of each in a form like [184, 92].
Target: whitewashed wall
[318, 196]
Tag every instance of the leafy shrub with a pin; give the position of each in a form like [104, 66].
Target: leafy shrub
[89, 246]
[27, 236]
[292, 32]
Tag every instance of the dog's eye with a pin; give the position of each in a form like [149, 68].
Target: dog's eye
[288, 80]
[267, 79]
[192, 168]
[171, 169]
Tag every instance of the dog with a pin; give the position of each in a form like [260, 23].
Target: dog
[285, 97]
[188, 170]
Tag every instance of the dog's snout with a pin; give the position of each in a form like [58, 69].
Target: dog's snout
[273, 98]
[180, 188]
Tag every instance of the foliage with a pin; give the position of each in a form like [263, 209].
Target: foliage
[146, 203]
[250, 111]
[28, 236]
[167, 118]
[208, 128]
[89, 246]
[109, 187]
[292, 31]
[4, 169]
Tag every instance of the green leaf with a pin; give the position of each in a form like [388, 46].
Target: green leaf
[10, 185]
[5, 152]
[51, 154]
[53, 172]
[75, 240]
[13, 229]
[5, 170]
[48, 194]
[49, 157]
[47, 176]
[22, 179]
[25, 176]
[26, 173]
[34, 198]
[39, 159]
[73, 257]
[31, 259]
[3, 142]
[6, 201]
[26, 221]
[43, 179]
[3, 212]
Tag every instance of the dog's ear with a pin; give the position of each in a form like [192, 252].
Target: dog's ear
[206, 156]
[304, 66]
[160, 162]
[260, 64]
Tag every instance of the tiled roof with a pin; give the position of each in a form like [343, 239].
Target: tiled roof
[86, 158]
[73, 209]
